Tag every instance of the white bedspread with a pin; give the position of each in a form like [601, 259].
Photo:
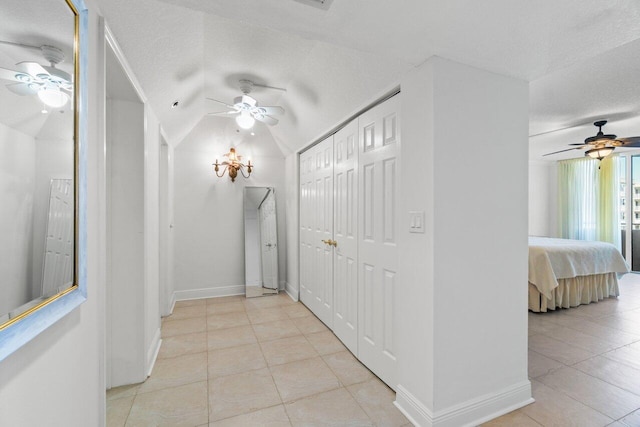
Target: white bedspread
[552, 259]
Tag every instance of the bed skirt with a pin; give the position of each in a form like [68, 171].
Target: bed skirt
[575, 291]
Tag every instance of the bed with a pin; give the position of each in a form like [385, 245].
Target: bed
[566, 273]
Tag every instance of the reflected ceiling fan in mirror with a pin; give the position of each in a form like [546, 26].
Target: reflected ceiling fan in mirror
[601, 145]
[53, 86]
[246, 109]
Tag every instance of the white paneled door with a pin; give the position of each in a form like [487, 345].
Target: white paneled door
[345, 225]
[316, 287]
[379, 150]
[349, 232]
[306, 228]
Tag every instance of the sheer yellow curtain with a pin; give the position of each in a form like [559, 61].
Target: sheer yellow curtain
[608, 217]
[578, 194]
[588, 199]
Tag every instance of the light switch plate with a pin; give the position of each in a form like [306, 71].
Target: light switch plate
[416, 221]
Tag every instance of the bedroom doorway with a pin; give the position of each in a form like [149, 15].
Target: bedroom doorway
[630, 208]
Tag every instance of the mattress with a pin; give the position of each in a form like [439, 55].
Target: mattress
[553, 259]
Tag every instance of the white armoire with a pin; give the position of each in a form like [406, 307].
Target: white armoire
[348, 234]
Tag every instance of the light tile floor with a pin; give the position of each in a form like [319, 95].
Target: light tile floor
[584, 364]
[269, 362]
[252, 362]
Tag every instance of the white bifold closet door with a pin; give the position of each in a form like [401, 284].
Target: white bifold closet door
[348, 188]
[379, 133]
[316, 287]
[345, 234]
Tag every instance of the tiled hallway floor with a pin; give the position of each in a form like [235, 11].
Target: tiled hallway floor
[252, 362]
[584, 364]
[269, 362]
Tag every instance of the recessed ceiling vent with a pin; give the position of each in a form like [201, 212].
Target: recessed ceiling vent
[320, 4]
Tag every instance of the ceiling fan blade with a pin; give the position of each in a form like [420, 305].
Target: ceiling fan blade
[579, 143]
[268, 110]
[561, 151]
[32, 68]
[223, 113]
[632, 141]
[223, 103]
[57, 75]
[266, 119]
[270, 87]
[245, 102]
[7, 74]
[23, 88]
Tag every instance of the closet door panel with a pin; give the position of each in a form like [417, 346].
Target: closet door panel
[316, 228]
[306, 227]
[324, 232]
[345, 284]
[377, 246]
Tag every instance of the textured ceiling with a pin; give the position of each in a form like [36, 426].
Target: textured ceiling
[334, 62]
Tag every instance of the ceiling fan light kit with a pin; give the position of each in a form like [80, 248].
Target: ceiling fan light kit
[52, 85]
[599, 153]
[601, 145]
[53, 97]
[246, 109]
[245, 121]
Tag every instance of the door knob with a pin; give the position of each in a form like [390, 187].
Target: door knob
[330, 242]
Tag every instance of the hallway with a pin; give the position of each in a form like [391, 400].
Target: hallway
[240, 362]
[268, 361]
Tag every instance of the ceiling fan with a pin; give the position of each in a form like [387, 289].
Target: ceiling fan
[247, 110]
[52, 85]
[601, 145]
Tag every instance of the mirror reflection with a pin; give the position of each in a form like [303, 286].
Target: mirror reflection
[37, 149]
[260, 241]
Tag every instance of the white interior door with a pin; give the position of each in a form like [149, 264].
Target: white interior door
[58, 253]
[316, 204]
[345, 285]
[306, 227]
[379, 141]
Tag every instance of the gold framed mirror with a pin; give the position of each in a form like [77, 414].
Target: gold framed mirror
[40, 139]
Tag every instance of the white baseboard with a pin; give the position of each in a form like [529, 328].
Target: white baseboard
[154, 349]
[224, 291]
[467, 414]
[172, 303]
[412, 408]
[291, 291]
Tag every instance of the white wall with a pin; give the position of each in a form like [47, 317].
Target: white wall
[165, 210]
[209, 224]
[543, 204]
[464, 162]
[17, 186]
[60, 372]
[126, 231]
[291, 211]
[152, 143]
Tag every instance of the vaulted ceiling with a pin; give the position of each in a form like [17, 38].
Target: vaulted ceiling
[581, 57]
